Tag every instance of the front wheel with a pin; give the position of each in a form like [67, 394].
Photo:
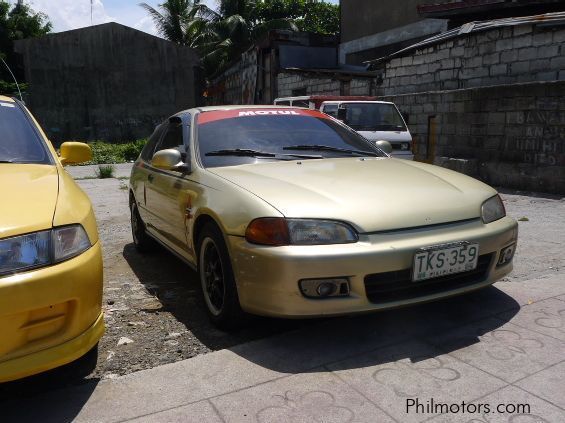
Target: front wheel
[217, 280]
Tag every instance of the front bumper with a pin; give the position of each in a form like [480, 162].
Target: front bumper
[50, 316]
[267, 277]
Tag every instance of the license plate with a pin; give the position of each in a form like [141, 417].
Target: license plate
[442, 260]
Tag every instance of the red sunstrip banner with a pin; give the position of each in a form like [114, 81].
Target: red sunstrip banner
[207, 117]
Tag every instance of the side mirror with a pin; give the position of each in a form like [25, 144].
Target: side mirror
[342, 114]
[75, 152]
[169, 159]
[385, 146]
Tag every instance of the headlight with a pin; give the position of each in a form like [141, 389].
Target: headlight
[493, 209]
[25, 252]
[277, 231]
[43, 248]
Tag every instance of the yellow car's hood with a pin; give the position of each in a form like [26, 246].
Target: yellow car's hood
[372, 194]
[28, 195]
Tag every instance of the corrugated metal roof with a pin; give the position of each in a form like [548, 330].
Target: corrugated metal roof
[545, 19]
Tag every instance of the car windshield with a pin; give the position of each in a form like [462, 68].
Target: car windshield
[19, 143]
[227, 139]
[374, 117]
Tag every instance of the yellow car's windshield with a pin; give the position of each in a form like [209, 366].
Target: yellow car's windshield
[19, 141]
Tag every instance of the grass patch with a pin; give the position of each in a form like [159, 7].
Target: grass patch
[105, 171]
[106, 153]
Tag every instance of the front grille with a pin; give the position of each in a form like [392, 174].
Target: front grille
[397, 286]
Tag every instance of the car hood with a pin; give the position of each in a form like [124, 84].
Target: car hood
[373, 194]
[28, 194]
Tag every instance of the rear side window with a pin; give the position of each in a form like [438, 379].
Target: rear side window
[172, 137]
[19, 140]
[301, 103]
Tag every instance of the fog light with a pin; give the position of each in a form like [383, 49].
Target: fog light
[324, 288]
[506, 255]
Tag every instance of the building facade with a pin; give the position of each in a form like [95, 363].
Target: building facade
[107, 82]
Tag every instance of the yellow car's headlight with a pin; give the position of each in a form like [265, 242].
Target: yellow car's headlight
[278, 231]
[26, 252]
[492, 209]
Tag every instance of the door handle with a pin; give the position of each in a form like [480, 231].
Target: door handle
[150, 178]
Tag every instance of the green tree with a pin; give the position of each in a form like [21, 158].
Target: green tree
[16, 23]
[221, 36]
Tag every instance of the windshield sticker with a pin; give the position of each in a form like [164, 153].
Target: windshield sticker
[6, 105]
[207, 117]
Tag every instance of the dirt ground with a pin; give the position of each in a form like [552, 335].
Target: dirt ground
[152, 303]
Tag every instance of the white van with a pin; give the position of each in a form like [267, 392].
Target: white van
[375, 120]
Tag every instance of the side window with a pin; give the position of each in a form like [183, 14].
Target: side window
[147, 152]
[283, 103]
[172, 137]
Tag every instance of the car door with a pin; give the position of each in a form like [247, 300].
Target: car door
[163, 190]
[144, 173]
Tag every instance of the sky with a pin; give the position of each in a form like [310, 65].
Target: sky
[72, 14]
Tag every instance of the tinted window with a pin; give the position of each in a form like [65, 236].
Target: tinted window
[271, 134]
[19, 142]
[283, 103]
[147, 152]
[301, 103]
[374, 117]
[172, 137]
[330, 109]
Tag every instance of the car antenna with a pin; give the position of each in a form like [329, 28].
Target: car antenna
[15, 80]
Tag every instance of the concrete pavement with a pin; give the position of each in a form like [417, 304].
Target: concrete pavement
[500, 347]
[121, 170]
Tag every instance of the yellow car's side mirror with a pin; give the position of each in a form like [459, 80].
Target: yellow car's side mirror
[75, 152]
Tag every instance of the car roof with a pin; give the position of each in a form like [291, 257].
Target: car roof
[235, 107]
[353, 101]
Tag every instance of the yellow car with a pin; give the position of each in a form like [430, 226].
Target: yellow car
[50, 257]
[288, 212]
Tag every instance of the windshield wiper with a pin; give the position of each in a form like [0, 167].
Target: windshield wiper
[255, 153]
[240, 152]
[318, 147]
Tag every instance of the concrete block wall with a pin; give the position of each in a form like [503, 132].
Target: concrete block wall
[287, 83]
[509, 55]
[511, 136]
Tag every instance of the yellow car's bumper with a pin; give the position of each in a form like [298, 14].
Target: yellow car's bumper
[268, 277]
[50, 316]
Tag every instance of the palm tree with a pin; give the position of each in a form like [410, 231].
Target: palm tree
[219, 37]
[172, 17]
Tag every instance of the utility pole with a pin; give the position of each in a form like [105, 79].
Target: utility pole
[91, 12]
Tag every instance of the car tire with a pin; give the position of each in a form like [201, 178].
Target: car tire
[143, 242]
[217, 280]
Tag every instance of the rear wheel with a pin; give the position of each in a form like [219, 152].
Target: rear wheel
[143, 242]
[217, 280]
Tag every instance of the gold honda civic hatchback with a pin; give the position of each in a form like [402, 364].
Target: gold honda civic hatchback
[288, 212]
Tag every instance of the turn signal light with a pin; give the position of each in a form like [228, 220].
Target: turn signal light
[268, 231]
